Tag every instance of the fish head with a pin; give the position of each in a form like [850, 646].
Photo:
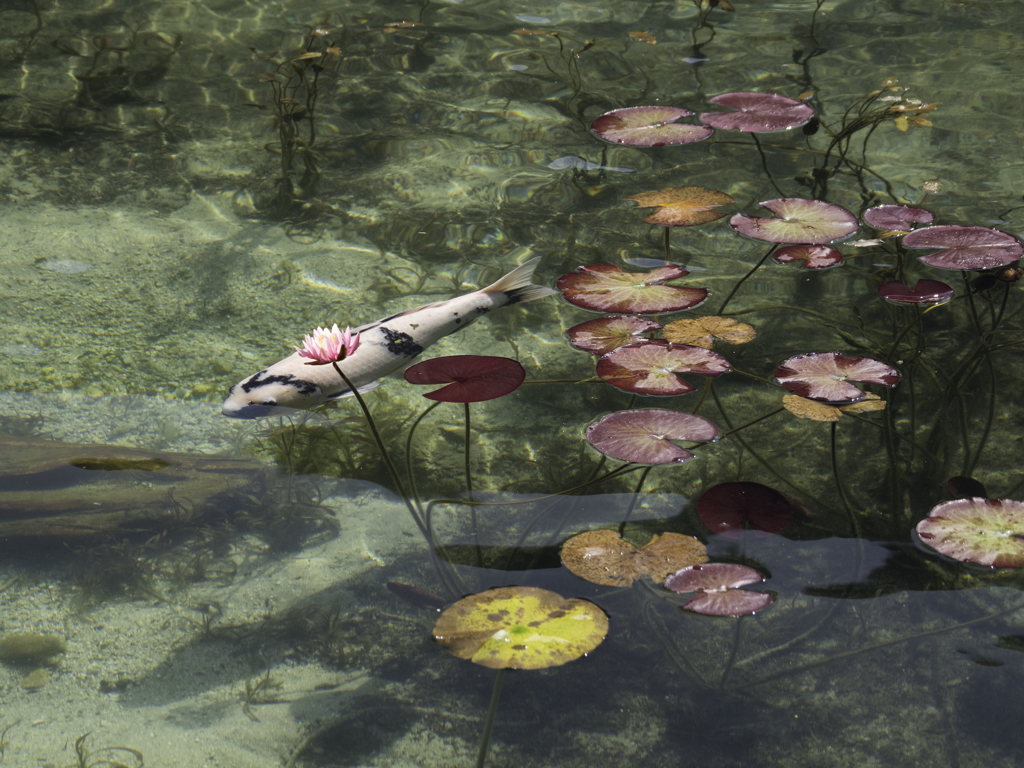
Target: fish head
[265, 394]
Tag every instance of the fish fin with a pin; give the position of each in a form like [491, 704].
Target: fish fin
[362, 390]
[517, 285]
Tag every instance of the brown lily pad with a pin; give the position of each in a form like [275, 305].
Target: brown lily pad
[682, 206]
[604, 557]
[701, 331]
[815, 411]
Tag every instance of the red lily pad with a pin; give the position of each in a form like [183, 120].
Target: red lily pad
[923, 292]
[653, 368]
[758, 112]
[799, 221]
[470, 378]
[644, 435]
[823, 376]
[984, 531]
[648, 127]
[606, 288]
[812, 256]
[730, 508]
[897, 217]
[718, 585]
[601, 336]
[682, 206]
[965, 247]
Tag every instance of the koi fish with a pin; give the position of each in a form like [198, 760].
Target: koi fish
[385, 346]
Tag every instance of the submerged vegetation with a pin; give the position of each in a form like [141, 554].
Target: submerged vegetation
[833, 429]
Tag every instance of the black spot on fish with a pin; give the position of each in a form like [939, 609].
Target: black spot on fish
[401, 344]
[258, 380]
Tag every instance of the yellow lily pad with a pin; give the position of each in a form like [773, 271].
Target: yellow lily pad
[520, 628]
[701, 331]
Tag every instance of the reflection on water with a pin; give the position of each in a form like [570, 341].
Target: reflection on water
[189, 187]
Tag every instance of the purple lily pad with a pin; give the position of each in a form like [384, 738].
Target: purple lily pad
[897, 217]
[965, 247]
[823, 376]
[758, 112]
[470, 378]
[799, 221]
[984, 531]
[653, 367]
[923, 292]
[648, 127]
[606, 288]
[812, 256]
[717, 584]
[601, 336]
[642, 436]
[730, 508]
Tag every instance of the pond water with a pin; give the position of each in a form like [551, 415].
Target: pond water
[191, 187]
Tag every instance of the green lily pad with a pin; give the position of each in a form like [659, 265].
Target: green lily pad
[520, 628]
[976, 530]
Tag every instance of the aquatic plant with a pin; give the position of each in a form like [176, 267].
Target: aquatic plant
[469, 378]
[896, 217]
[606, 288]
[648, 127]
[965, 248]
[729, 509]
[655, 367]
[718, 587]
[601, 336]
[810, 256]
[518, 628]
[702, 331]
[114, 757]
[923, 292]
[648, 435]
[824, 375]
[681, 207]
[977, 530]
[757, 112]
[808, 222]
[604, 557]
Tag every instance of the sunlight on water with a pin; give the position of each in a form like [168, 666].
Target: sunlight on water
[189, 188]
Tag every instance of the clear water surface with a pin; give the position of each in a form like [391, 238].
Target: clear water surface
[170, 226]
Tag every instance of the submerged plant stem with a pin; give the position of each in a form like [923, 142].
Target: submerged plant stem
[743, 279]
[485, 741]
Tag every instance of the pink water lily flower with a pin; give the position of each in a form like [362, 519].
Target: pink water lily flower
[329, 346]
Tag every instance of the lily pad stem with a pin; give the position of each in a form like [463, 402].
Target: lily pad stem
[743, 279]
[485, 742]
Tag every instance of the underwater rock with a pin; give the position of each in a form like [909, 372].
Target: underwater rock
[49, 488]
[30, 648]
[36, 679]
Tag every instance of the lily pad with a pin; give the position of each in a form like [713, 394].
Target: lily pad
[682, 206]
[604, 557]
[653, 367]
[976, 530]
[601, 336]
[923, 292]
[758, 112]
[718, 585]
[520, 628]
[644, 435]
[824, 375]
[812, 256]
[470, 378]
[897, 217]
[803, 408]
[606, 288]
[965, 247]
[701, 331]
[648, 127]
[731, 508]
[810, 222]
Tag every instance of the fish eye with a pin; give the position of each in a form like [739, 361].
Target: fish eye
[270, 401]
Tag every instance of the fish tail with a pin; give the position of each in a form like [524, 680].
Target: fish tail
[517, 285]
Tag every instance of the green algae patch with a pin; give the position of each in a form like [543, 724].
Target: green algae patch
[521, 628]
[29, 648]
